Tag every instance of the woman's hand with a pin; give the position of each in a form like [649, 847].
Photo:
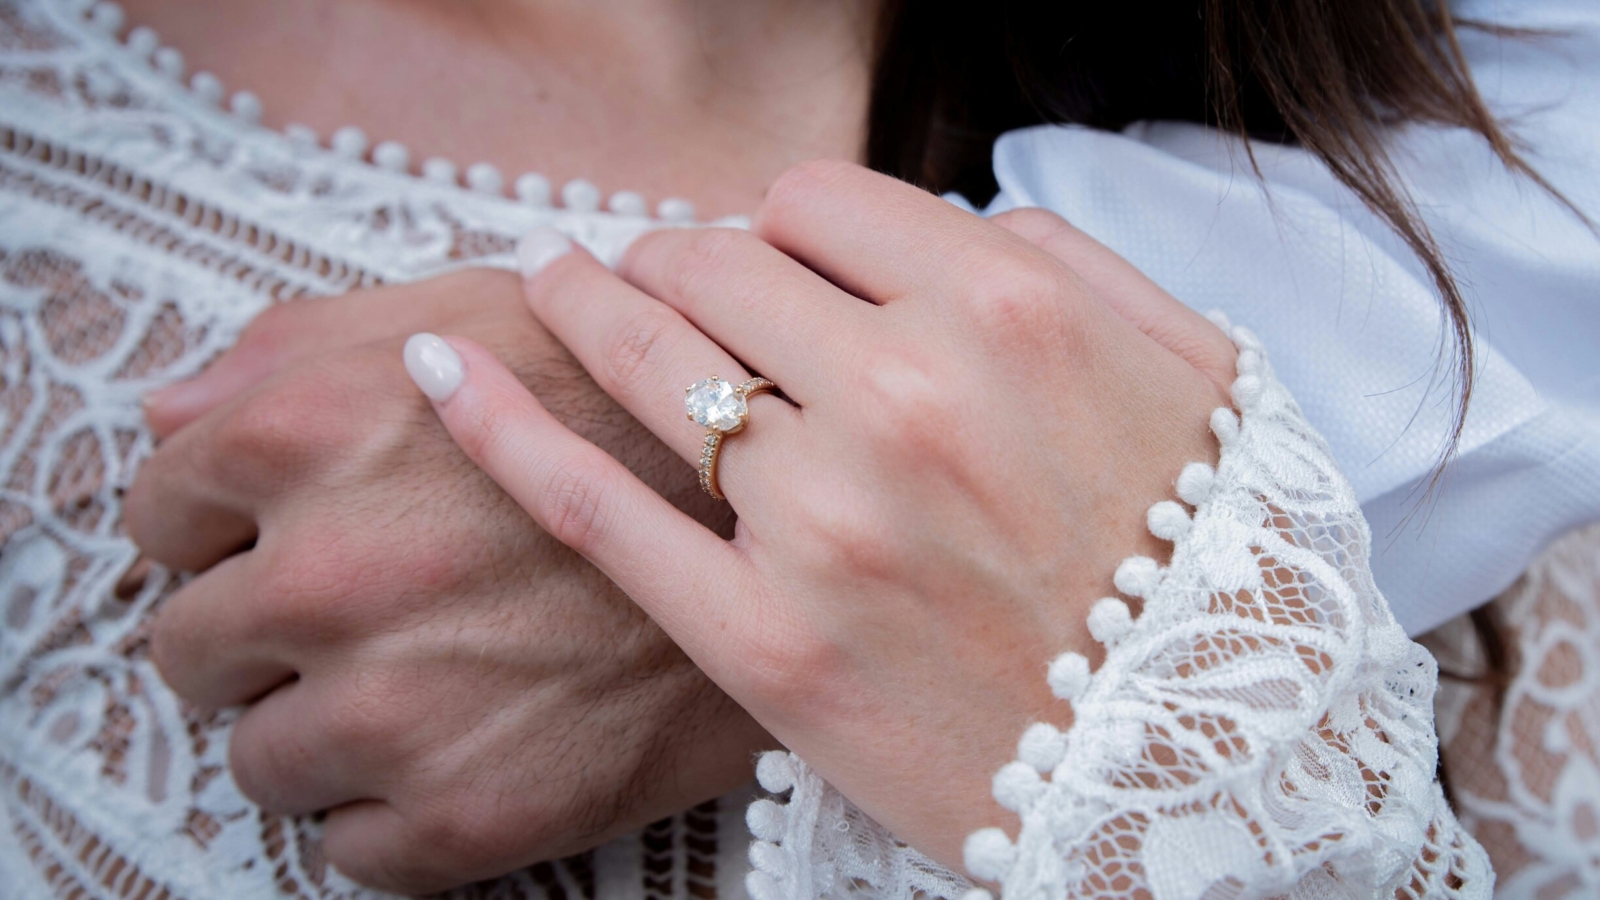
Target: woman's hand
[967, 456]
[414, 653]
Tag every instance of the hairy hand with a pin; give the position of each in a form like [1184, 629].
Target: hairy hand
[981, 415]
[465, 694]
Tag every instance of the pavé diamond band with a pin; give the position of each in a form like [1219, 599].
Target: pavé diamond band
[721, 408]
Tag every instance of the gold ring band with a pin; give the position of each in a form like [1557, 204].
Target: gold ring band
[722, 409]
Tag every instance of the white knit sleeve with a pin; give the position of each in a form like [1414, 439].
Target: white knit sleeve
[1260, 728]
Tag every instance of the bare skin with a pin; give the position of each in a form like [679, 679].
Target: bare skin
[704, 99]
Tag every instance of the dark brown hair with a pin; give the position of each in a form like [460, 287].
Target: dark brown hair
[1328, 75]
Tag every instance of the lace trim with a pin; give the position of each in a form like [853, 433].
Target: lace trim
[1262, 728]
[194, 216]
[818, 844]
[105, 20]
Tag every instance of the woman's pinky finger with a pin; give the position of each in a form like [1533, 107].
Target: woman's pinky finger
[681, 574]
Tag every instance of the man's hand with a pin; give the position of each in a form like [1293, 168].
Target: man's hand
[462, 692]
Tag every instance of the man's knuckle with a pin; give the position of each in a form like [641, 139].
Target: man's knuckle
[313, 593]
[298, 569]
[169, 649]
[261, 767]
[255, 450]
[371, 710]
[143, 515]
[274, 433]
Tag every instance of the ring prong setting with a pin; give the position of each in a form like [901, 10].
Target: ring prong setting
[722, 409]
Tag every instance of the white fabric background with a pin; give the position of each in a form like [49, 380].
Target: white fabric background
[1356, 324]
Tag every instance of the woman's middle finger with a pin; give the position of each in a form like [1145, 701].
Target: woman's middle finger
[781, 318]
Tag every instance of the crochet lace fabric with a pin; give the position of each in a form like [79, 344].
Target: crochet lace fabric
[1519, 724]
[1262, 728]
[140, 227]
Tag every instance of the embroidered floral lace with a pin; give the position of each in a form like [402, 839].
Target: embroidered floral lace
[140, 228]
[1519, 723]
[1282, 732]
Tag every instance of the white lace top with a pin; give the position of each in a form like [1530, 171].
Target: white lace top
[1263, 727]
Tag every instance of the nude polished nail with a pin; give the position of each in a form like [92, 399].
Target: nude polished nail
[434, 365]
[539, 248]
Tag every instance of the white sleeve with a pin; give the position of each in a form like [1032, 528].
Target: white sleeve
[1261, 728]
[1354, 321]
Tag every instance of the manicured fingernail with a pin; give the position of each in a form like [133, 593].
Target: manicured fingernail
[433, 365]
[539, 248]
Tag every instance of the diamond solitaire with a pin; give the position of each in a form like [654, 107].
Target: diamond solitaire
[721, 408]
[717, 405]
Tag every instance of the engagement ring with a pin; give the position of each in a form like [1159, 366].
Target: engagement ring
[722, 409]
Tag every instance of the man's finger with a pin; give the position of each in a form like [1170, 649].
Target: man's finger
[210, 640]
[300, 329]
[372, 843]
[286, 757]
[183, 511]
